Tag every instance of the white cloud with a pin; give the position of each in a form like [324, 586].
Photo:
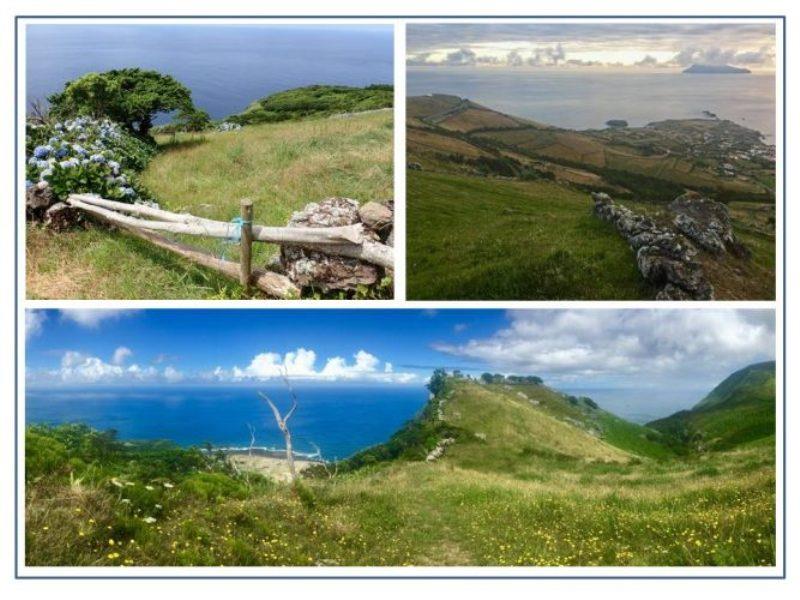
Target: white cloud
[173, 375]
[301, 364]
[632, 344]
[34, 320]
[79, 368]
[121, 354]
[92, 317]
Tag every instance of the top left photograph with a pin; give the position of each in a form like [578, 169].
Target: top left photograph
[208, 161]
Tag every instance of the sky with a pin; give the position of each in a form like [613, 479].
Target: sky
[618, 46]
[632, 348]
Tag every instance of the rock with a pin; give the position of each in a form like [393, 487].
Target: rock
[375, 216]
[60, 217]
[38, 198]
[704, 221]
[663, 257]
[438, 451]
[323, 272]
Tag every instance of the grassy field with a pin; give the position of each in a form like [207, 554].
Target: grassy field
[531, 479]
[280, 166]
[487, 238]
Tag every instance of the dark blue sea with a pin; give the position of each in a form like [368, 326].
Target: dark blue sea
[340, 419]
[225, 66]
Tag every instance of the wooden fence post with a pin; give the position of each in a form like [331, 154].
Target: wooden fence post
[246, 237]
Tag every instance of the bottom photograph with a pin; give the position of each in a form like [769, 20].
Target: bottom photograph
[370, 437]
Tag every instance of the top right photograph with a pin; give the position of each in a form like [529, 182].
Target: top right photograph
[591, 161]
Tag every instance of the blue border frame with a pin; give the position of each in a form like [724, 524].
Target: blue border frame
[17, 18]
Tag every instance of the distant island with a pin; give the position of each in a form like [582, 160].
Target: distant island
[616, 123]
[715, 69]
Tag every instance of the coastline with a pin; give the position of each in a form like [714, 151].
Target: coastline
[267, 462]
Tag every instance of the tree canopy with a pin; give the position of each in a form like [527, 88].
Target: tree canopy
[131, 97]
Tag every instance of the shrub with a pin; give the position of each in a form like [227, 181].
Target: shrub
[86, 155]
[132, 97]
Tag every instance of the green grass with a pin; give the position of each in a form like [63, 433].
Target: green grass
[521, 485]
[740, 410]
[281, 167]
[315, 100]
[491, 239]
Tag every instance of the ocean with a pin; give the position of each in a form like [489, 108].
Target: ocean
[587, 99]
[225, 66]
[340, 419]
[642, 405]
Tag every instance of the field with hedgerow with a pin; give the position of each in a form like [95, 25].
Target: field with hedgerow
[523, 475]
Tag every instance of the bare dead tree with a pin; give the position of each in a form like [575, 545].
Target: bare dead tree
[39, 113]
[252, 439]
[282, 424]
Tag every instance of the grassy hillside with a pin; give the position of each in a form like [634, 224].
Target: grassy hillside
[740, 410]
[315, 100]
[521, 484]
[487, 238]
[280, 166]
[499, 206]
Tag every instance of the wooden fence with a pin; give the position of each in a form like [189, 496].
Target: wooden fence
[144, 221]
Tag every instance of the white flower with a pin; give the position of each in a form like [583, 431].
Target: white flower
[149, 519]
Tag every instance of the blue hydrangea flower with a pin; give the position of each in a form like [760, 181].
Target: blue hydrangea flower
[28, 183]
[42, 151]
[54, 140]
[98, 158]
[126, 191]
[32, 161]
[68, 164]
[43, 164]
[62, 152]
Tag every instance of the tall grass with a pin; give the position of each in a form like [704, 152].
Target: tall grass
[281, 167]
[490, 239]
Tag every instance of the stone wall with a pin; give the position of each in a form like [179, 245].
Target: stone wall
[665, 258]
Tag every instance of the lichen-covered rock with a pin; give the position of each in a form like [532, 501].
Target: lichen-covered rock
[325, 272]
[375, 216]
[60, 217]
[707, 223]
[38, 198]
[663, 257]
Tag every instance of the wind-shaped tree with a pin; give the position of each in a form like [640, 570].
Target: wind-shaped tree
[131, 97]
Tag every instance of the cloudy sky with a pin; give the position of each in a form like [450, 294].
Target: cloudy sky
[633, 349]
[596, 45]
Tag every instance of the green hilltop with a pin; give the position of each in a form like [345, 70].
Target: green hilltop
[740, 410]
[493, 473]
[315, 100]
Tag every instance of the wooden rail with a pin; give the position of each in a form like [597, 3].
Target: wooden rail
[144, 221]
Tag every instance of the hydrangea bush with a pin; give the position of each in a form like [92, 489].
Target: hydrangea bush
[228, 126]
[86, 155]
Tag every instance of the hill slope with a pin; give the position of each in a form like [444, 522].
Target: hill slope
[280, 166]
[531, 477]
[315, 100]
[738, 411]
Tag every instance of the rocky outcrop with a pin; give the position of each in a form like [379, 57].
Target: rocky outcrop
[707, 223]
[439, 449]
[311, 269]
[38, 198]
[664, 257]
